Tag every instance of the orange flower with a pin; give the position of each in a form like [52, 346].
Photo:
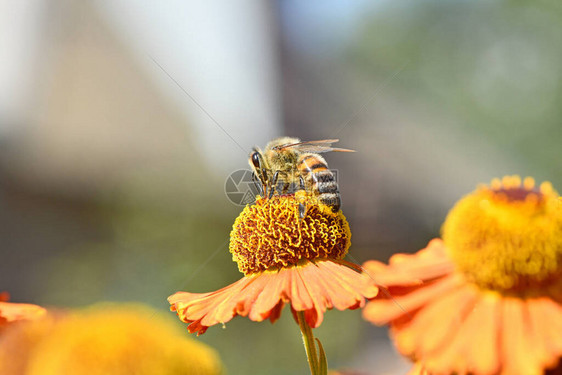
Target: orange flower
[285, 259]
[487, 299]
[116, 339]
[12, 312]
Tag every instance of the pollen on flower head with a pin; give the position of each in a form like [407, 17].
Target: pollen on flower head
[271, 234]
[507, 236]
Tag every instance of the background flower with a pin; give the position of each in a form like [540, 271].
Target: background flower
[12, 312]
[487, 299]
[104, 339]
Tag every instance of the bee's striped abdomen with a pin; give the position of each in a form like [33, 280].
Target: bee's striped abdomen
[320, 180]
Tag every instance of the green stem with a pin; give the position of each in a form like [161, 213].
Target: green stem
[309, 344]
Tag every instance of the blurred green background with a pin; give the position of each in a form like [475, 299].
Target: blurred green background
[120, 122]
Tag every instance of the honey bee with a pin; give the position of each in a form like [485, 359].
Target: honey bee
[290, 162]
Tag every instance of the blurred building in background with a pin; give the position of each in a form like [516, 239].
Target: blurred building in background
[121, 120]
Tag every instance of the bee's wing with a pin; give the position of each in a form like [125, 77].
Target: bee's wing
[324, 145]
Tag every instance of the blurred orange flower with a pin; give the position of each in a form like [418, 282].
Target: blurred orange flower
[12, 312]
[487, 299]
[105, 339]
[285, 259]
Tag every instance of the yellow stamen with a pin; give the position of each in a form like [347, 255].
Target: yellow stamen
[507, 236]
[529, 183]
[272, 234]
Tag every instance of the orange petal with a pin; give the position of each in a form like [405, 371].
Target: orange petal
[342, 286]
[434, 326]
[192, 308]
[298, 293]
[10, 312]
[333, 284]
[412, 337]
[406, 272]
[517, 355]
[453, 359]
[427, 264]
[276, 311]
[536, 336]
[4, 296]
[484, 322]
[417, 369]
[474, 347]
[383, 311]
[268, 297]
[315, 315]
[312, 288]
[249, 293]
[386, 276]
[545, 318]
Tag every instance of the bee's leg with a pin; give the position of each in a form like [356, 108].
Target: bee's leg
[286, 184]
[257, 183]
[301, 181]
[302, 210]
[302, 206]
[265, 182]
[273, 184]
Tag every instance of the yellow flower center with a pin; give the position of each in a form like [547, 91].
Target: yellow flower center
[271, 233]
[507, 236]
